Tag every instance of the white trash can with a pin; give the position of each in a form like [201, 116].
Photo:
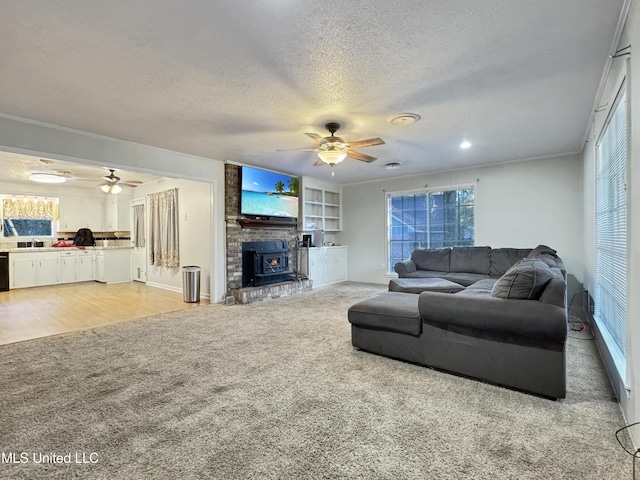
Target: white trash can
[191, 284]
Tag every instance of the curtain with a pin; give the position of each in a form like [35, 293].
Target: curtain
[138, 226]
[163, 228]
[28, 210]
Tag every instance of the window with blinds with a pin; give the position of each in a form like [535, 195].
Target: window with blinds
[611, 226]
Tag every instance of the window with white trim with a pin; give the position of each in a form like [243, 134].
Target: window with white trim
[27, 217]
[611, 227]
[429, 219]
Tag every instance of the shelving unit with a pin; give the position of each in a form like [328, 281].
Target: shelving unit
[321, 209]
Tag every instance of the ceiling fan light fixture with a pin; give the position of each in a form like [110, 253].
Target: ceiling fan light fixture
[111, 188]
[47, 178]
[332, 157]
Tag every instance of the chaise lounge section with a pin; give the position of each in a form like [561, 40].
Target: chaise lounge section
[505, 328]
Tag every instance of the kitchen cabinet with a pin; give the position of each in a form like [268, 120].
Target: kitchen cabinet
[77, 213]
[24, 272]
[68, 266]
[48, 270]
[326, 265]
[84, 266]
[113, 266]
[34, 269]
[116, 214]
[31, 269]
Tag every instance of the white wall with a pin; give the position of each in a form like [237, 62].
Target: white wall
[520, 204]
[194, 231]
[32, 138]
[630, 66]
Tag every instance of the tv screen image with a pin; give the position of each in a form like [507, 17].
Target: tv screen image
[268, 194]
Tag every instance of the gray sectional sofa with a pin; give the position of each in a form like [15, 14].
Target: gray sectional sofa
[506, 325]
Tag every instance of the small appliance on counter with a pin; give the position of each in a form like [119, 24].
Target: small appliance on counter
[318, 238]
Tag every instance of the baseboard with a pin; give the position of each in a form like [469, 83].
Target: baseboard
[174, 289]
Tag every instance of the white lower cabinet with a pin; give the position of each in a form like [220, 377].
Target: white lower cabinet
[24, 272]
[113, 266]
[34, 269]
[68, 266]
[85, 260]
[98, 267]
[326, 265]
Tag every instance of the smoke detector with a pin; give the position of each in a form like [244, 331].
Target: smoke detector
[403, 119]
[392, 165]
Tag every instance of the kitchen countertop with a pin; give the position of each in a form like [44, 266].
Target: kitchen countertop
[60, 249]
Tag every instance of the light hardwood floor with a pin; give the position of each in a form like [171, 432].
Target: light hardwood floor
[29, 313]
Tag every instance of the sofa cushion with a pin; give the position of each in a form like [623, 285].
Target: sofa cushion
[541, 249]
[502, 259]
[389, 311]
[426, 274]
[550, 260]
[464, 279]
[526, 280]
[437, 259]
[555, 291]
[482, 288]
[419, 285]
[471, 260]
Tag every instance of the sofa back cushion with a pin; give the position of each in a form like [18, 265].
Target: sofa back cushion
[502, 259]
[437, 259]
[526, 280]
[471, 260]
[556, 290]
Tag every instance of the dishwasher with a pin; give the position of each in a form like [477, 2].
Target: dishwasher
[4, 272]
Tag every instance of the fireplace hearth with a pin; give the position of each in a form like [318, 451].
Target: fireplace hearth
[264, 263]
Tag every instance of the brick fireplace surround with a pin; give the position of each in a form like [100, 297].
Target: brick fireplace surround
[236, 235]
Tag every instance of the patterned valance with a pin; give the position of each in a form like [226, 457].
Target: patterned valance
[27, 210]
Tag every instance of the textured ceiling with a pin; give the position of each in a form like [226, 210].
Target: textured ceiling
[233, 80]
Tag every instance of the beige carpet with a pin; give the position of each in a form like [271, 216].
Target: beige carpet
[274, 390]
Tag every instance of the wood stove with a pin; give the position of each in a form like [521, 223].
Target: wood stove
[264, 263]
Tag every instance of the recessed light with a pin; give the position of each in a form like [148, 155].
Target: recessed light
[47, 178]
[403, 119]
[464, 145]
[392, 165]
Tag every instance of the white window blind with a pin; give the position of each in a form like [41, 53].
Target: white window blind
[611, 225]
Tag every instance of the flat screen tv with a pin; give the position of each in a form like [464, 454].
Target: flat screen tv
[268, 194]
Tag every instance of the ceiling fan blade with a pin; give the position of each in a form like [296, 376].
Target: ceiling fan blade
[366, 143]
[319, 163]
[315, 136]
[138, 182]
[361, 156]
[129, 184]
[308, 149]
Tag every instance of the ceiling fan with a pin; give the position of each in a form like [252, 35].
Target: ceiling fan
[332, 150]
[113, 183]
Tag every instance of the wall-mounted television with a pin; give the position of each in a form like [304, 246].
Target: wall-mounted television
[268, 194]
